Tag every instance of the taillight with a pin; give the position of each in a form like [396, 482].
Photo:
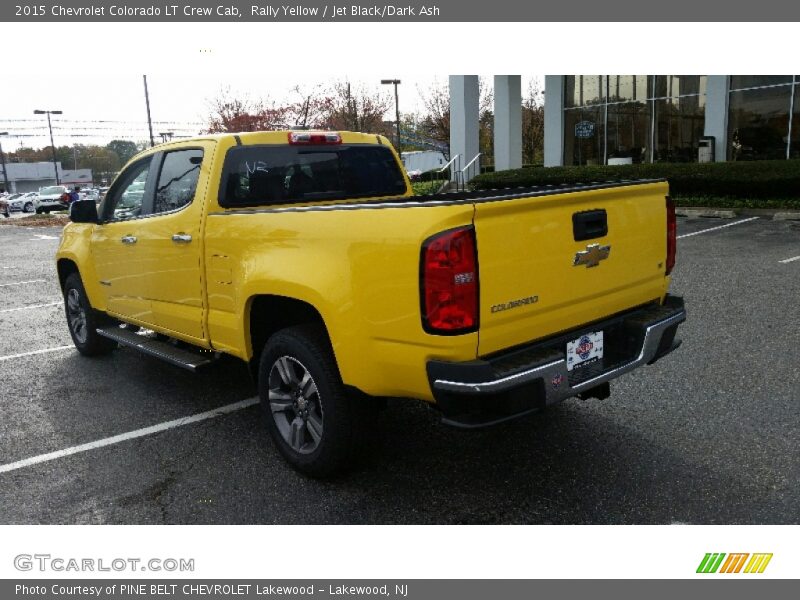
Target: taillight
[314, 137]
[449, 282]
[672, 229]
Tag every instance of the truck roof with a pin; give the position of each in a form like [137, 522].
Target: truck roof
[280, 137]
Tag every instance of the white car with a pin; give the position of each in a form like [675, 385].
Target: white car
[14, 202]
[25, 202]
[90, 194]
[51, 198]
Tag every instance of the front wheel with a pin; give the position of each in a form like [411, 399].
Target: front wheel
[83, 321]
[315, 425]
[28, 208]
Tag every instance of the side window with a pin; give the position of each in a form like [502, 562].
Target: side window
[125, 200]
[177, 181]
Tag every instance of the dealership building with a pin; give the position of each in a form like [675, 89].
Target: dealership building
[631, 119]
[621, 119]
[30, 177]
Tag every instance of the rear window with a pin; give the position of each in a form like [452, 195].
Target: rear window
[259, 175]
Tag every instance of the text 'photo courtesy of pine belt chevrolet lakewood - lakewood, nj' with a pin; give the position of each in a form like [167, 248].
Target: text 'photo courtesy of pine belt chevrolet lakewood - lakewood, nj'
[306, 255]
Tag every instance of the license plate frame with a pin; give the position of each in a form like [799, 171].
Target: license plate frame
[584, 350]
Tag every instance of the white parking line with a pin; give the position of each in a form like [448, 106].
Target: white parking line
[211, 414]
[685, 235]
[23, 282]
[35, 352]
[8, 310]
[788, 260]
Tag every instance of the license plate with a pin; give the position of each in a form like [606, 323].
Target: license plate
[586, 349]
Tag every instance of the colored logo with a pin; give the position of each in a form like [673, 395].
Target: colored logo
[719, 562]
[584, 348]
[557, 380]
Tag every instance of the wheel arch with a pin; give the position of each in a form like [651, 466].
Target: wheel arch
[65, 268]
[268, 314]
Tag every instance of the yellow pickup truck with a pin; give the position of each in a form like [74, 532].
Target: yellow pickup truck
[306, 255]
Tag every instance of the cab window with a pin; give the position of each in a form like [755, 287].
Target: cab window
[177, 181]
[126, 199]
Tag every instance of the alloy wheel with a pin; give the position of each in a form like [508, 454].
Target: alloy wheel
[295, 404]
[76, 316]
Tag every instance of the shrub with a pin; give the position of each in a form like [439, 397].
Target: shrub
[752, 180]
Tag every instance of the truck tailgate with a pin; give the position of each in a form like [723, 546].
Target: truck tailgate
[529, 285]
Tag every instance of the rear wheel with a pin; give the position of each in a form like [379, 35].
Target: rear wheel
[315, 425]
[28, 207]
[83, 321]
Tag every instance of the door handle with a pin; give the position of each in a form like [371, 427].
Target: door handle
[181, 238]
[128, 239]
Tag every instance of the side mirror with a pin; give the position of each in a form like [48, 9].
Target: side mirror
[83, 211]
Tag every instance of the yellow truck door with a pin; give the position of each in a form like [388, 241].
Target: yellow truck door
[118, 260]
[170, 243]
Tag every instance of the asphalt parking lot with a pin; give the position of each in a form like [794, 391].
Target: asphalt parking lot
[708, 435]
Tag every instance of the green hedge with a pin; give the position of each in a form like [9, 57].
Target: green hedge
[757, 179]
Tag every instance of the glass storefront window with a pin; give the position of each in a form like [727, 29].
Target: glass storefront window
[624, 88]
[621, 119]
[583, 90]
[758, 123]
[584, 136]
[669, 86]
[739, 82]
[628, 131]
[678, 127]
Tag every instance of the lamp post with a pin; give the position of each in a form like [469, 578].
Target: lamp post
[52, 145]
[3, 162]
[395, 83]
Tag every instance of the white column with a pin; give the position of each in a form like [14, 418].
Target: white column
[717, 114]
[464, 101]
[553, 120]
[507, 122]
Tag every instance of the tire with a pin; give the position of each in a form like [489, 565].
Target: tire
[39, 211]
[28, 208]
[83, 320]
[317, 428]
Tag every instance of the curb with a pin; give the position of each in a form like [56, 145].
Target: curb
[705, 212]
[729, 213]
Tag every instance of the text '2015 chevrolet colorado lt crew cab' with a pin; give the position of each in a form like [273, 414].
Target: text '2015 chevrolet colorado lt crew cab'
[306, 255]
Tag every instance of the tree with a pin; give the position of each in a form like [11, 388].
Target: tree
[355, 109]
[124, 149]
[435, 122]
[230, 113]
[533, 124]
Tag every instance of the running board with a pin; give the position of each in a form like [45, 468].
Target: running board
[179, 357]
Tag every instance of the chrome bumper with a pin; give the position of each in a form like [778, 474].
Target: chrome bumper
[537, 376]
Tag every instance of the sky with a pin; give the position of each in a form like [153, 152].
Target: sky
[114, 107]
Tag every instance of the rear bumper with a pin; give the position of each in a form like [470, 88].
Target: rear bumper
[519, 381]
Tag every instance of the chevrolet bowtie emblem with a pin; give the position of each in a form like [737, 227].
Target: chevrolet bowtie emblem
[592, 256]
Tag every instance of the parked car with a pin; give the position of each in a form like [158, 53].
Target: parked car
[339, 288]
[54, 197]
[29, 201]
[14, 202]
[90, 194]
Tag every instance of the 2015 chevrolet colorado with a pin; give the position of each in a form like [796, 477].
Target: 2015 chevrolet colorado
[305, 254]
